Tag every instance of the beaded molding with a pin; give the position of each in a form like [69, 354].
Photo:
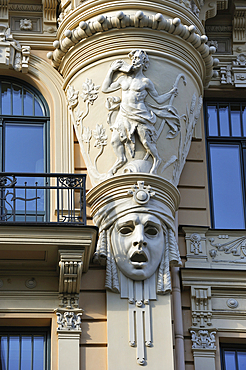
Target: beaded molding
[139, 20]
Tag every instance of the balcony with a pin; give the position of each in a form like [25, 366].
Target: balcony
[41, 217]
[42, 198]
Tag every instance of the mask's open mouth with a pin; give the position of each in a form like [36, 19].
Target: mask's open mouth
[139, 257]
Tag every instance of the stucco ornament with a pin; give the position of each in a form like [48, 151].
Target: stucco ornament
[135, 115]
[143, 130]
[137, 243]
[84, 134]
[12, 54]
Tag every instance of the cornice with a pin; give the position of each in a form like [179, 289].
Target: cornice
[93, 8]
[157, 22]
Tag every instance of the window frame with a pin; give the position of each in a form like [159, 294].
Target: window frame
[230, 347]
[44, 120]
[226, 140]
[31, 331]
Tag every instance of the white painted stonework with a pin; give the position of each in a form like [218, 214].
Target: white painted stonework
[144, 130]
[134, 79]
[137, 243]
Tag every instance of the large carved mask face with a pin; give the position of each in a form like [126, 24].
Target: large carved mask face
[138, 244]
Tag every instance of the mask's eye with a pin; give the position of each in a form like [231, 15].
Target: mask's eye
[128, 229]
[151, 230]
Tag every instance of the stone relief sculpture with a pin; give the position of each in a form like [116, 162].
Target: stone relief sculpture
[137, 243]
[131, 116]
[131, 202]
[135, 114]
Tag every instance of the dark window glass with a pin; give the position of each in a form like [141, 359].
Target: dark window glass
[226, 186]
[24, 350]
[227, 164]
[23, 136]
[212, 120]
[244, 118]
[235, 120]
[6, 98]
[224, 120]
[233, 357]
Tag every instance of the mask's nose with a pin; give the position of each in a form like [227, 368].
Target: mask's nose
[139, 241]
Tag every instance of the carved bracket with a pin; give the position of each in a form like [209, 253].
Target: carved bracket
[12, 54]
[71, 264]
[201, 306]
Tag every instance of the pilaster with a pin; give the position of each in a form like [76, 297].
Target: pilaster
[68, 314]
[202, 332]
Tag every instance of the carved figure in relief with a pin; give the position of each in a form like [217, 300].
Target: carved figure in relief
[135, 114]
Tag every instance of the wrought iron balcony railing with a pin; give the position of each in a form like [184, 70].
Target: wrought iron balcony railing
[42, 198]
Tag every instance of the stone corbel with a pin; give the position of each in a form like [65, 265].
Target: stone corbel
[12, 54]
[203, 334]
[4, 14]
[210, 8]
[68, 314]
[201, 306]
[71, 265]
[49, 16]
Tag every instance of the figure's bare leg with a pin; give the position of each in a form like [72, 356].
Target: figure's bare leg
[150, 148]
[119, 150]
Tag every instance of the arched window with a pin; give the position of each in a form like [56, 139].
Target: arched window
[24, 132]
[24, 126]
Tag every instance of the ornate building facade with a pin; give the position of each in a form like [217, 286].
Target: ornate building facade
[122, 189]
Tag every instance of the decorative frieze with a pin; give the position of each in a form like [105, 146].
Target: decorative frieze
[235, 248]
[203, 339]
[24, 7]
[13, 55]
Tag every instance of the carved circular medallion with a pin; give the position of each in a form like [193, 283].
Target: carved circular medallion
[232, 303]
[31, 283]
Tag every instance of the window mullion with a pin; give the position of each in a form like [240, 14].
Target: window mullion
[243, 159]
[20, 340]
[218, 118]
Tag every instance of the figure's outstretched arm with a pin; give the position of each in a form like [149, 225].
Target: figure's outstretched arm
[108, 84]
[160, 99]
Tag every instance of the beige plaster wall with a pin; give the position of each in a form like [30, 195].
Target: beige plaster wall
[93, 342]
